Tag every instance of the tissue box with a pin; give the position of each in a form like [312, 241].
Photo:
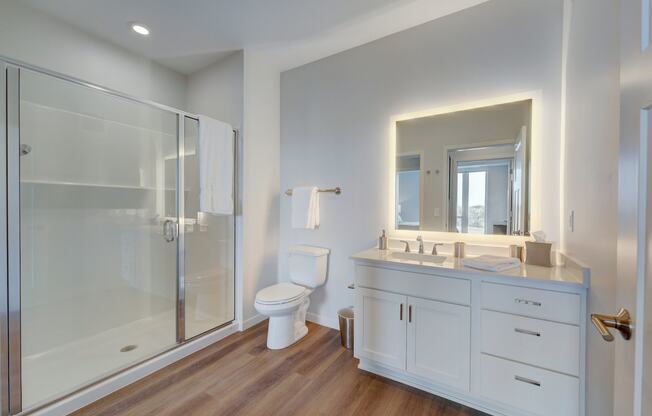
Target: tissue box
[538, 253]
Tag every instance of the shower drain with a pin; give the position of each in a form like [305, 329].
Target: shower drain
[128, 348]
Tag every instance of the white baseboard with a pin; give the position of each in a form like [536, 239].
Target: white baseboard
[254, 320]
[323, 321]
[95, 392]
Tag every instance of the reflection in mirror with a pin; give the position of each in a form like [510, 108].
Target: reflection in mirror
[466, 171]
[408, 191]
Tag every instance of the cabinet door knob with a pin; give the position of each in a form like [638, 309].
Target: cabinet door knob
[401, 313]
[410, 313]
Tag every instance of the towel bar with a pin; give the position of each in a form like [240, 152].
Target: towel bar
[336, 191]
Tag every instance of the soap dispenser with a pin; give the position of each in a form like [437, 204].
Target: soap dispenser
[382, 241]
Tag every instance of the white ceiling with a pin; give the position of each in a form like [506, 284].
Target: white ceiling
[188, 35]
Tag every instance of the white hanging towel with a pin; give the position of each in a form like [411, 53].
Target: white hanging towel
[215, 155]
[492, 263]
[305, 207]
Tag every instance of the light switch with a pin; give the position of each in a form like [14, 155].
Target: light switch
[437, 212]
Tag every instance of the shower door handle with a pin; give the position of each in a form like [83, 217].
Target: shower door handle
[169, 230]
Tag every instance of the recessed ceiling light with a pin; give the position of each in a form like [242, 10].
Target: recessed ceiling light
[140, 29]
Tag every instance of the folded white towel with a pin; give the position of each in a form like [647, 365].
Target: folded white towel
[215, 155]
[305, 207]
[492, 263]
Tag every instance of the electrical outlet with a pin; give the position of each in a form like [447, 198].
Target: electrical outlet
[437, 212]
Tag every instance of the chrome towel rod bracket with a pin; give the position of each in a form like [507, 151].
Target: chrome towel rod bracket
[336, 191]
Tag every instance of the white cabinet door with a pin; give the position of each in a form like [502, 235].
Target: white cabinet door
[382, 325]
[439, 342]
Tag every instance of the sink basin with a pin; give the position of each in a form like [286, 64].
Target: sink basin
[428, 258]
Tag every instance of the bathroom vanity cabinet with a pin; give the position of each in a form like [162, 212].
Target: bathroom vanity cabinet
[509, 343]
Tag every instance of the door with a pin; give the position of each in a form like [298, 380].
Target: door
[439, 342]
[633, 378]
[208, 254]
[382, 328]
[519, 184]
[93, 237]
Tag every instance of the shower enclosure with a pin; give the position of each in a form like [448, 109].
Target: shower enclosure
[109, 260]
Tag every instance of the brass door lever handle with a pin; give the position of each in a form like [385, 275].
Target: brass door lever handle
[621, 322]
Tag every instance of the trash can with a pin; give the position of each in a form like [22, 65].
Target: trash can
[346, 327]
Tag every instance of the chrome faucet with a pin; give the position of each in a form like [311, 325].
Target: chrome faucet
[407, 246]
[434, 248]
[420, 240]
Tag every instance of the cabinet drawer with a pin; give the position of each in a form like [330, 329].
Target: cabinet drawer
[529, 389]
[444, 289]
[535, 303]
[532, 341]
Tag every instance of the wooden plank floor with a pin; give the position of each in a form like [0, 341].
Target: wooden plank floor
[240, 376]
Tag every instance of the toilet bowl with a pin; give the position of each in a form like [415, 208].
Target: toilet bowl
[286, 304]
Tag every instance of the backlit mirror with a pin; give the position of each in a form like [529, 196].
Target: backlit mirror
[465, 171]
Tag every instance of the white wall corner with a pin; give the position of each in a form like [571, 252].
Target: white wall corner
[253, 321]
[331, 322]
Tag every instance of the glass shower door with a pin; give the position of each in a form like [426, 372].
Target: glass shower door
[98, 233]
[209, 278]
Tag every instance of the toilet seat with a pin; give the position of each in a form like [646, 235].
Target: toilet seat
[279, 294]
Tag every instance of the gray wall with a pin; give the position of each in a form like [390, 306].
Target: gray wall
[336, 112]
[218, 90]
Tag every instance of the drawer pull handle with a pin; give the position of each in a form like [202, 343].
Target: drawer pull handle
[527, 302]
[527, 332]
[527, 380]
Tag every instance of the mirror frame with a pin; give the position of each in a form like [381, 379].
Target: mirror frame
[536, 170]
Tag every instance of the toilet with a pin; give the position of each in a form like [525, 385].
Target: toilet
[286, 304]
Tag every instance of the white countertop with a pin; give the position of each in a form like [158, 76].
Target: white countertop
[571, 273]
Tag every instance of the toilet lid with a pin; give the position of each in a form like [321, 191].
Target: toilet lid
[280, 293]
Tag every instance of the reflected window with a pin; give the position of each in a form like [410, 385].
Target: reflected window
[471, 201]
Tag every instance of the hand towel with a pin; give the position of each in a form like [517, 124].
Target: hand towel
[215, 155]
[492, 263]
[305, 207]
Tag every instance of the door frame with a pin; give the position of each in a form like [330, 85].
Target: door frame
[4, 327]
[181, 232]
[13, 234]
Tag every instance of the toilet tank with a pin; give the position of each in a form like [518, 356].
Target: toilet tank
[308, 265]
